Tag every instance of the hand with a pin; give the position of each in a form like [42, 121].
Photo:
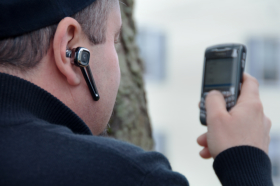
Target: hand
[245, 124]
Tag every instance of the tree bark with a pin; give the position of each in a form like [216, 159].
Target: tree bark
[130, 120]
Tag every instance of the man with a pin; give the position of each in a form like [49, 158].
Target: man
[49, 119]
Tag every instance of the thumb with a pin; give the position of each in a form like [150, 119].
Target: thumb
[215, 105]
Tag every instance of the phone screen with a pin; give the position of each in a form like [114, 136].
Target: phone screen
[220, 74]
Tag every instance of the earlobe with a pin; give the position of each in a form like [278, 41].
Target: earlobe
[67, 34]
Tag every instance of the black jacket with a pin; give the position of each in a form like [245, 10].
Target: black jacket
[42, 142]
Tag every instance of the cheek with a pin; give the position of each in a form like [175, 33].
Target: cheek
[107, 73]
[114, 66]
[111, 80]
[106, 66]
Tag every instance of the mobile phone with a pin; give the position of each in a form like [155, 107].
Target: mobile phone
[223, 71]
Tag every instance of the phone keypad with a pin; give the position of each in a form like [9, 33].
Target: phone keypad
[229, 98]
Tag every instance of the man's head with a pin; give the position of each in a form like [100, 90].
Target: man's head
[40, 57]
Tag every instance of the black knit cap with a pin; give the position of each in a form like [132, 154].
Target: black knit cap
[21, 16]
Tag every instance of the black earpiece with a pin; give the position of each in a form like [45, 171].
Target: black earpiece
[81, 58]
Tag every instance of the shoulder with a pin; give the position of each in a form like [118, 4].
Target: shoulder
[45, 154]
[138, 166]
[118, 163]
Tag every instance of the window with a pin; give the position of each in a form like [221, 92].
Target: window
[152, 44]
[263, 59]
[274, 153]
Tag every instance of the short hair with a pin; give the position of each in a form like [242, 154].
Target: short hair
[25, 51]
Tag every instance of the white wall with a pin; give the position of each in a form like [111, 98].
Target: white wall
[191, 26]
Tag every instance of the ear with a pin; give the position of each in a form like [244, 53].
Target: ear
[68, 34]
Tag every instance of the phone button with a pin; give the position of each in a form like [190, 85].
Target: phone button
[243, 63]
[244, 56]
[224, 93]
[202, 114]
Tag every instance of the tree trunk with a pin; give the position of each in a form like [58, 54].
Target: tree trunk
[130, 121]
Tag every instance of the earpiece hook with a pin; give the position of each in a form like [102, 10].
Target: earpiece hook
[81, 58]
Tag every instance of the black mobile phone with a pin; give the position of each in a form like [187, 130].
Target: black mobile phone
[223, 71]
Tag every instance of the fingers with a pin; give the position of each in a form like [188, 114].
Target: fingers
[205, 153]
[268, 123]
[202, 140]
[215, 104]
[250, 88]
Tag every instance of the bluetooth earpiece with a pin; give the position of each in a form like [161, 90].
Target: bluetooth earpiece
[81, 58]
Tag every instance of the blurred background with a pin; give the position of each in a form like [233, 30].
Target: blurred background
[172, 36]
